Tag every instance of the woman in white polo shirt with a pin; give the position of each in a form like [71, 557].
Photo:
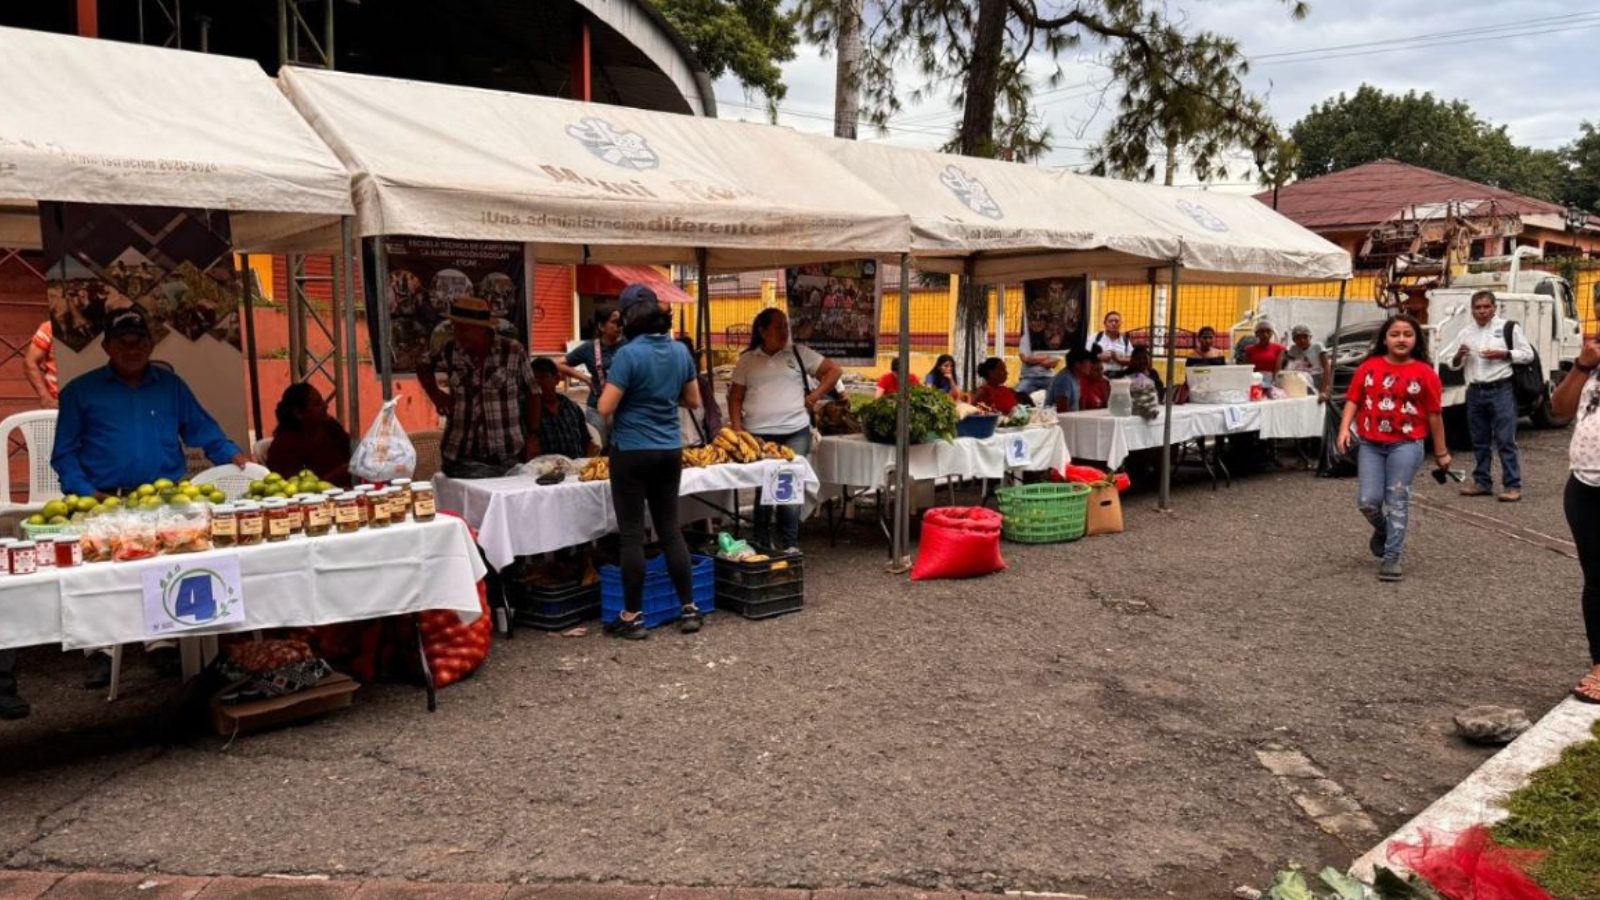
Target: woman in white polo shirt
[775, 385]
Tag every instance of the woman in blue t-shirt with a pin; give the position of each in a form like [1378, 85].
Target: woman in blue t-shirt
[651, 376]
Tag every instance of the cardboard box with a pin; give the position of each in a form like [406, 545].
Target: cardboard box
[333, 692]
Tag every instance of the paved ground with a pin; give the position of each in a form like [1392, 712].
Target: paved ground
[1088, 721]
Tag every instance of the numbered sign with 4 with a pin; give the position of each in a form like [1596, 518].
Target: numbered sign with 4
[189, 594]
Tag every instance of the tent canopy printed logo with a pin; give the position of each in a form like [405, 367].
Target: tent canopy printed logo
[624, 149]
[971, 192]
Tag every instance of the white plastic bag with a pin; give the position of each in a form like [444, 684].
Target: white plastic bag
[385, 453]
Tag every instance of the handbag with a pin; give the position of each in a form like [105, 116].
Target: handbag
[1105, 509]
[832, 416]
[1527, 384]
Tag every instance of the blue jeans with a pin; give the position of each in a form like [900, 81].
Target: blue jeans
[788, 516]
[1385, 473]
[1492, 421]
[1027, 385]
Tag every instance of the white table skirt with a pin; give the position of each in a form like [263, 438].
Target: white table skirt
[1096, 434]
[854, 461]
[515, 516]
[404, 568]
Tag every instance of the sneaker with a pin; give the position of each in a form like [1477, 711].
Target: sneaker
[1475, 490]
[13, 707]
[691, 619]
[630, 630]
[1380, 536]
[1510, 495]
[1389, 570]
[99, 675]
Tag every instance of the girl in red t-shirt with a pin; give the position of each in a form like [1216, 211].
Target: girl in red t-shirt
[1393, 402]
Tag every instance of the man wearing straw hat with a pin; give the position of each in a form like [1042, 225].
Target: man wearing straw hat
[491, 405]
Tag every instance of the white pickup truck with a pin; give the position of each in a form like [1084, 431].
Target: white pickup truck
[1541, 302]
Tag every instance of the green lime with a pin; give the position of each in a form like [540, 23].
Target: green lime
[36, 519]
[162, 484]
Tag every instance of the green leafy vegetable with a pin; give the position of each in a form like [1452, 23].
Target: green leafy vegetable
[932, 413]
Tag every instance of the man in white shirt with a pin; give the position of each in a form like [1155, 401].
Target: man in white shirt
[1481, 349]
[1111, 345]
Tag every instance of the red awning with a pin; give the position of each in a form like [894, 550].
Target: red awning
[608, 281]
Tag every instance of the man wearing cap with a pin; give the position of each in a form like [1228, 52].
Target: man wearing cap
[1310, 357]
[127, 422]
[492, 404]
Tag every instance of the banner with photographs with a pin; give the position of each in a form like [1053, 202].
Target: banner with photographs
[427, 274]
[1054, 314]
[177, 264]
[833, 309]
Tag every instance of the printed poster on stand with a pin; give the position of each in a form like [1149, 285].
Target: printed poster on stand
[427, 274]
[1054, 318]
[833, 309]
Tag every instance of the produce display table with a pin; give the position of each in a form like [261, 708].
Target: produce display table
[854, 461]
[405, 568]
[1097, 435]
[515, 516]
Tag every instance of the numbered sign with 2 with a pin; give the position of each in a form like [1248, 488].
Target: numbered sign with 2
[186, 595]
[1016, 451]
[784, 486]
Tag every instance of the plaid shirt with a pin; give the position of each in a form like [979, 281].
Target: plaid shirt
[564, 430]
[488, 402]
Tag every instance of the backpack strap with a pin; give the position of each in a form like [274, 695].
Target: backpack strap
[800, 363]
[1506, 334]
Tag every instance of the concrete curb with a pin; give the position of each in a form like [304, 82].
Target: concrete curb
[1480, 799]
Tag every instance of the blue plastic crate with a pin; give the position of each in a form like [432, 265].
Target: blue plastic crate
[660, 599]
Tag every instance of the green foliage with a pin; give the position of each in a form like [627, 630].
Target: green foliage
[1176, 88]
[1420, 129]
[749, 38]
[1580, 185]
[1292, 884]
[1559, 812]
[932, 412]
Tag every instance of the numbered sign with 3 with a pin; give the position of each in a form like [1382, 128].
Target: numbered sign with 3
[784, 486]
[189, 594]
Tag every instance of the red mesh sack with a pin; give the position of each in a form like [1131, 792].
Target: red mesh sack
[1471, 867]
[958, 542]
[455, 650]
[1076, 474]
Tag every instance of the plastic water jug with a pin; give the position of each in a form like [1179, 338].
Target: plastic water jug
[1121, 400]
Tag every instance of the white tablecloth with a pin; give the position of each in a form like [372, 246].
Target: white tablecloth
[404, 568]
[854, 461]
[515, 516]
[1096, 434]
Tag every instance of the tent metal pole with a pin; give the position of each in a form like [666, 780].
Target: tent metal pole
[902, 440]
[1172, 362]
[249, 320]
[1152, 317]
[702, 312]
[380, 349]
[1000, 321]
[352, 352]
[1338, 323]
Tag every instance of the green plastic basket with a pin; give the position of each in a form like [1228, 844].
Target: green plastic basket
[1044, 513]
[34, 532]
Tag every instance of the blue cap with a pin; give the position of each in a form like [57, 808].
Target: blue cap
[635, 293]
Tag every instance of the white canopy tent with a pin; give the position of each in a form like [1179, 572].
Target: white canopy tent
[94, 121]
[995, 222]
[588, 183]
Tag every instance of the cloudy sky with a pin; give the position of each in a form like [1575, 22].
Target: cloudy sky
[1527, 64]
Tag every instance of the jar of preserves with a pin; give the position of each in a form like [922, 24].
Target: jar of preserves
[224, 525]
[347, 512]
[297, 515]
[329, 500]
[402, 489]
[69, 551]
[318, 518]
[378, 509]
[277, 512]
[363, 494]
[423, 508]
[252, 524]
[22, 559]
[5, 555]
[44, 553]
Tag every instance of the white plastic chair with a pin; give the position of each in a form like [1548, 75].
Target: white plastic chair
[39, 438]
[233, 481]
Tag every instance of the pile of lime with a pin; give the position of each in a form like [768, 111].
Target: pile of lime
[162, 492]
[275, 485]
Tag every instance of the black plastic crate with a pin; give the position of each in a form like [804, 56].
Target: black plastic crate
[759, 590]
[779, 570]
[552, 609]
[794, 601]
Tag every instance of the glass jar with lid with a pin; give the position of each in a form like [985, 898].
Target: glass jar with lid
[347, 512]
[252, 523]
[44, 552]
[277, 512]
[22, 559]
[378, 509]
[423, 507]
[224, 525]
[69, 551]
[318, 519]
[297, 514]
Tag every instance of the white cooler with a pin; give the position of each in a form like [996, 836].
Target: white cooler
[1220, 384]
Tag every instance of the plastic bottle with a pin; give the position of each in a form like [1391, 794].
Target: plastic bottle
[1120, 402]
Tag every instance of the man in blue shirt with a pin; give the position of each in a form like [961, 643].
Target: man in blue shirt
[127, 422]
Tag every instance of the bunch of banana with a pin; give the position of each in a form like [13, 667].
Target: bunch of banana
[700, 457]
[769, 450]
[596, 469]
[740, 446]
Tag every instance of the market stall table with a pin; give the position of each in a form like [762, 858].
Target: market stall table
[405, 568]
[515, 516]
[1097, 435]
